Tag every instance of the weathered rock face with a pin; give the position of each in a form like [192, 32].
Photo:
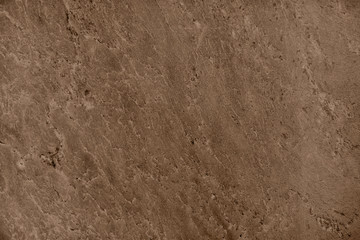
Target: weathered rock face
[180, 119]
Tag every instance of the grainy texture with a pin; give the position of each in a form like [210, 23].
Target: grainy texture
[145, 119]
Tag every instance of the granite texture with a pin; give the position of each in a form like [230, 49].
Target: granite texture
[192, 119]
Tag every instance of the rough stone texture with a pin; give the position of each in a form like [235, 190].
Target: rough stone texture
[167, 119]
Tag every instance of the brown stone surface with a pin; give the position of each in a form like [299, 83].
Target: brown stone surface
[192, 119]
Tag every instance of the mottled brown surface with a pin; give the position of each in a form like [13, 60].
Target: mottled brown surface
[212, 119]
